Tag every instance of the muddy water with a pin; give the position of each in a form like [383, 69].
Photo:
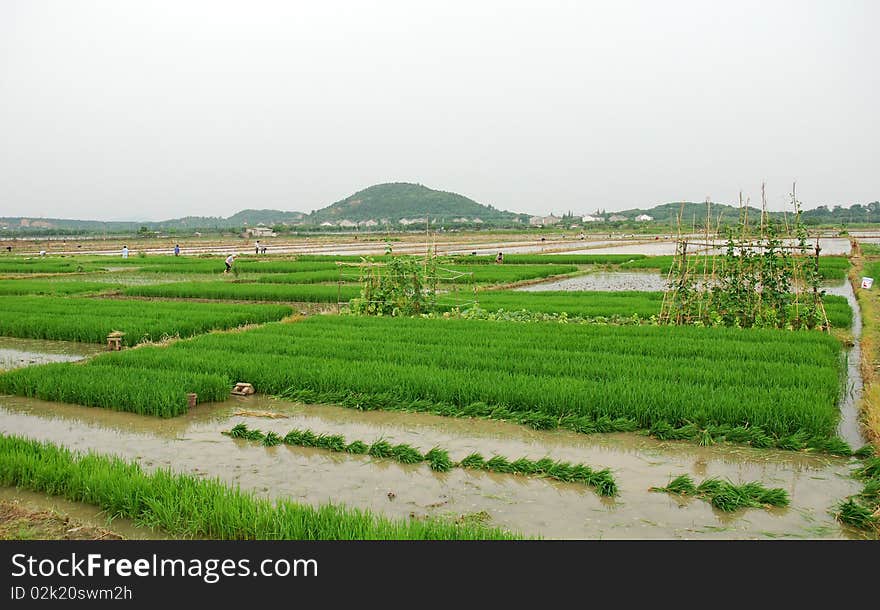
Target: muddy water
[849, 428]
[84, 513]
[193, 444]
[610, 281]
[15, 353]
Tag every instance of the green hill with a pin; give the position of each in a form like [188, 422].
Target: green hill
[401, 200]
[667, 213]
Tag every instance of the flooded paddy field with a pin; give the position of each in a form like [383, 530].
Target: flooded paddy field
[193, 443]
[538, 507]
[15, 353]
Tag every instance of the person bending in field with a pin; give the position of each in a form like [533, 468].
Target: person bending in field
[229, 260]
[500, 258]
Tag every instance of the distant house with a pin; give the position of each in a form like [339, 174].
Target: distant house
[544, 221]
[644, 218]
[327, 223]
[461, 220]
[368, 223]
[259, 232]
[617, 218]
[412, 221]
[589, 218]
[478, 221]
[347, 224]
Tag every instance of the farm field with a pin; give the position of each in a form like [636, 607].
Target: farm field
[603, 304]
[830, 267]
[503, 408]
[91, 320]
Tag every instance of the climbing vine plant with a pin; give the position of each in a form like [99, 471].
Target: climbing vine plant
[763, 276]
[398, 286]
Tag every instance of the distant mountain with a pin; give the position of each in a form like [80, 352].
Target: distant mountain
[396, 201]
[667, 213]
[691, 212]
[240, 219]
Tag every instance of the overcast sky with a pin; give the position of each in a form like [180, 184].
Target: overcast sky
[135, 109]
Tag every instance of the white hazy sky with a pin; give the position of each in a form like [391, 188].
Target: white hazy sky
[136, 109]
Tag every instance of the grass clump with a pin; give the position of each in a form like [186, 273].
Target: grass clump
[725, 495]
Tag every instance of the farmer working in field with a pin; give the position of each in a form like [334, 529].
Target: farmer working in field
[229, 260]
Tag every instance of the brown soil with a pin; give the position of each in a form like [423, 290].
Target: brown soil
[18, 522]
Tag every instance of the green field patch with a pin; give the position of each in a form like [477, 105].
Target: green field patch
[91, 320]
[192, 507]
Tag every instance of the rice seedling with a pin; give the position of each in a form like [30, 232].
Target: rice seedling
[438, 459]
[871, 491]
[49, 265]
[862, 510]
[52, 287]
[499, 463]
[725, 495]
[763, 384]
[238, 431]
[855, 514]
[865, 451]
[600, 305]
[474, 461]
[271, 439]
[523, 466]
[682, 485]
[381, 449]
[869, 470]
[331, 442]
[91, 320]
[830, 267]
[187, 506]
[156, 392]
[406, 454]
[241, 291]
[357, 447]
[558, 259]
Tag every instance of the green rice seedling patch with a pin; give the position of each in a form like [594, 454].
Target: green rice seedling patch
[727, 496]
[438, 459]
[158, 392]
[189, 507]
[247, 291]
[91, 320]
[830, 267]
[52, 287]
[553, 259]
[862, 510]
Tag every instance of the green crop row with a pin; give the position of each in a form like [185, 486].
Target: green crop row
[781, 382]
[91, 320]
[458, 274]
[47, 265]
[727, 496]
[830, 267]
[51, 287]
[159, 392]
[246, 291]
[438, 459]
[603, 304]
[552, 259]
[190, 507]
